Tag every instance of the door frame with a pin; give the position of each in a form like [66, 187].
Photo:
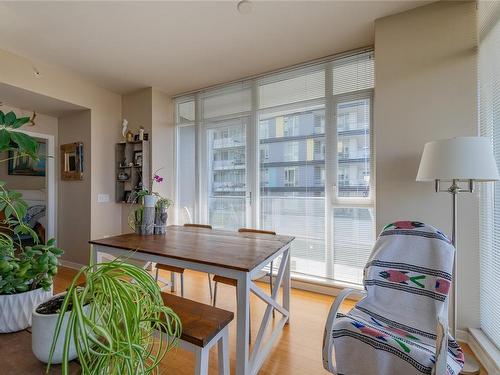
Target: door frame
[50, 181]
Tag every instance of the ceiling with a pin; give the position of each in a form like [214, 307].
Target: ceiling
[27, 100]
[181, 46]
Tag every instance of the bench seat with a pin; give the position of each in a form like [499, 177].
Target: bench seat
[203, 326]
[200, 322]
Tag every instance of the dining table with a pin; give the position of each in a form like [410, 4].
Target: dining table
[237, 255]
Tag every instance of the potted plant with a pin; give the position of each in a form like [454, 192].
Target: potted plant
[151, 217]
[25, 271]
[116, 332]
[161, 215]
[43, 326]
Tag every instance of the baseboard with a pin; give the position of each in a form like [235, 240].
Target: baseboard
[68, 264]
[462, 336]
[326, 288]
[485, 351]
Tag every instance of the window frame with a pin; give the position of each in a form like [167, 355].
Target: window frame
[253, 152]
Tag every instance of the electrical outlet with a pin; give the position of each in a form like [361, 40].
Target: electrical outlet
[102, 198]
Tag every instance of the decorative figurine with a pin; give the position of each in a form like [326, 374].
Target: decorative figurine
[124, 128]
[130, 136]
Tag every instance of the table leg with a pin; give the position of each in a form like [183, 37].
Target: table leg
[287, 284]
[93, 254]
[242, 325]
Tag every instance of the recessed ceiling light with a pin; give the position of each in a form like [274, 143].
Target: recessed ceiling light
[245, 7]
[36, 71]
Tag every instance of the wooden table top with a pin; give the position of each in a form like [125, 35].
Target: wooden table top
[234, 250]
[16, 357]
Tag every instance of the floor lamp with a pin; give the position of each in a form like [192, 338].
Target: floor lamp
[459, 161]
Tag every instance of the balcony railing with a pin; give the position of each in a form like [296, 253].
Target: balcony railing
[228, 164]
[354, 155]
[304, 218]
[228, 143]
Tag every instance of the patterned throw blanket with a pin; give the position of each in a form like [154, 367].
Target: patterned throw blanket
[393, 329]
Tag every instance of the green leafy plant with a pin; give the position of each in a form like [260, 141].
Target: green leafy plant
[29, 267]
[116, 335]
[163, 203]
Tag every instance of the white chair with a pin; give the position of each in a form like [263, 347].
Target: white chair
[400, 326]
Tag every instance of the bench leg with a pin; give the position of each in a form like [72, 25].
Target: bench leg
[223, 353]
[182, 285]
[172, 281]
[201, 361]
[210, 288]
[215, 294]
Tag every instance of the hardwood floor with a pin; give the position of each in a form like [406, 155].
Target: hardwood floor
[298, 351]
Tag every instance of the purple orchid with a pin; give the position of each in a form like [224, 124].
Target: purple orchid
[158, 178]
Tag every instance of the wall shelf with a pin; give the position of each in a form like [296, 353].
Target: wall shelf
[138, 174]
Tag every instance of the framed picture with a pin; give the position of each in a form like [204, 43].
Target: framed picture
[25, 166]
[72, 161]
[138, 157]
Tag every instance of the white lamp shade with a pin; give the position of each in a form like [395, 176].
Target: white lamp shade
[461, 158]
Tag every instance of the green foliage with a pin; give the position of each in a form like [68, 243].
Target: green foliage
[116, 334]
[31, 267]
[10, 140]
[163, 202]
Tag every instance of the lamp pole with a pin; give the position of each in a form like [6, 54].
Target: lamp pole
[471, 366]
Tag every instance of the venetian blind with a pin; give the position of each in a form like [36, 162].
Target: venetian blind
[489, 114]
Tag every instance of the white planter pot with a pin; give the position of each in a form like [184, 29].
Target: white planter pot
[150, 200]
[42, 334]
[16, 309]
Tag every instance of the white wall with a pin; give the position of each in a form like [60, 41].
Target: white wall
[425, 89]
[74, 208]
[153, 109]
[105, 117]
[162, 152]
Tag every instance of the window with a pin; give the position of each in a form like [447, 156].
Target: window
[319, 176]
[264, 152]
[264, 177]
[290, 177]
[319, 123]
[291, 126]
[489, 115]
[291, 152]
[300, 122]
[319, 149]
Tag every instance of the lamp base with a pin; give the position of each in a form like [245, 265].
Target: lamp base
[471, 366]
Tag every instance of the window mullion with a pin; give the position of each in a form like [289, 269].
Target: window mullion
[330, 168]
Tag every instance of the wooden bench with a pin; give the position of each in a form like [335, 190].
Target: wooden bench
[203, 326]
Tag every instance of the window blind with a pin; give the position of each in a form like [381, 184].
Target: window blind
[489, 115]
[232, 100]
[293, 87]
[353, 73]
[263, 150]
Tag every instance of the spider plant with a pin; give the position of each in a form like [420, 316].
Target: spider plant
[115, 334]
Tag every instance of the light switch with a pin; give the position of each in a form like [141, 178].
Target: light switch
[102, 198]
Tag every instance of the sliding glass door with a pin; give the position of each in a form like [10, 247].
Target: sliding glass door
[289, 152]
[226, 174]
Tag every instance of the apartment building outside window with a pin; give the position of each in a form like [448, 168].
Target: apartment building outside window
[305, 120]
